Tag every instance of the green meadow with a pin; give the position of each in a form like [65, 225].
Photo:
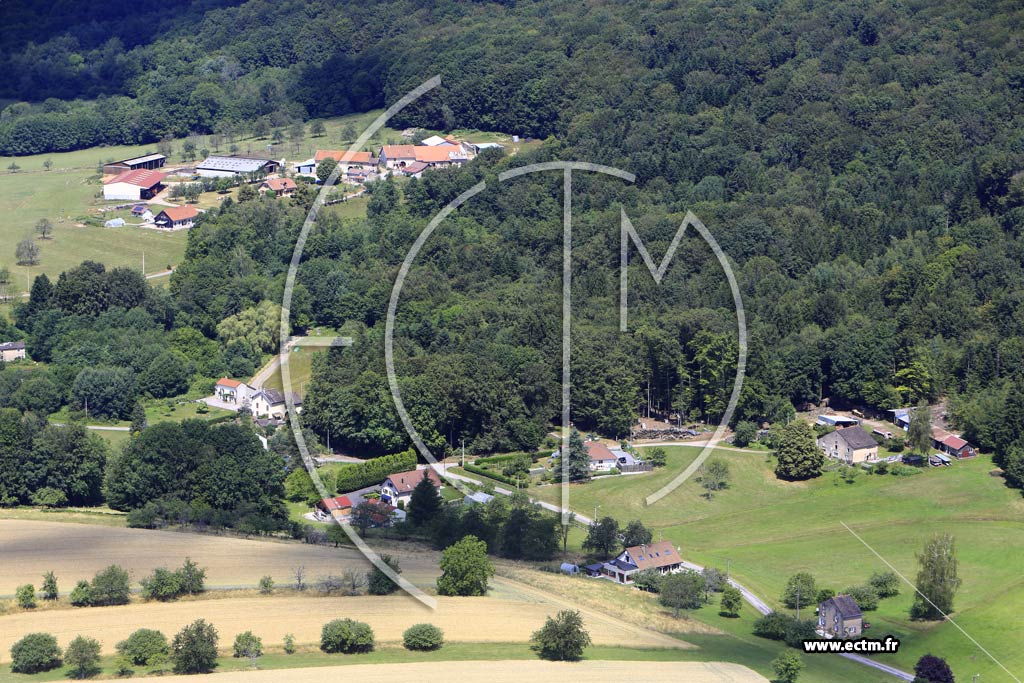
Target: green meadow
[765, 530]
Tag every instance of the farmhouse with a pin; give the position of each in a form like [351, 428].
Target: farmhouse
[850, 444]
[601, 457]
[227, 167]
[363, 161]
[271, 403]
[14, 350]
[661, 556]
[282, 187]
[232, 391]
[840, 617]
[175, 217]
[134, 185]
[148, 162]
[398, 487]
[397, 156]
[440, 156]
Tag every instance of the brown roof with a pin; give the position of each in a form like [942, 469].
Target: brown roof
[337, 154]
[845, 605]
[400, 151]
[405, 482]
[141, 177]
[654, 555]
[180, 213]
[856, 438]
[954, 442]
[278, 184]
[598, 451]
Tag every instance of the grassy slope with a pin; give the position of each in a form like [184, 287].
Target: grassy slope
[769, 529]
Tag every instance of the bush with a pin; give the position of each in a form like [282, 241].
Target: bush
[886, 584]
[194, 650]
[562, 638]
[346, 636]
[648, 580]
[193, 578]
[81, 596]
[26, 596]
[901, 470]
[799, 631]
[142, 646]
[423, 637]
[865, 596]
[266, 585]
[248, 645]
[83, 656]
[49, 589]
[162, 585]
[773, 625]
[787, 667]
[34, 653]
[289, 644]
[111, 586]
[379, 583]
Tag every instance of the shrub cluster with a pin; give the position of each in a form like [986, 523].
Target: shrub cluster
[346, 636]
[423, 637]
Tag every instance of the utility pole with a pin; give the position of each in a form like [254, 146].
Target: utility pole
[463, 441]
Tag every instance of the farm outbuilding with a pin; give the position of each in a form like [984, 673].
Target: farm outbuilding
[228, 167]
[148, 162]
[134, 185]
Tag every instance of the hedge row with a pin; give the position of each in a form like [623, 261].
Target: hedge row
[374, 471]
[492, 475]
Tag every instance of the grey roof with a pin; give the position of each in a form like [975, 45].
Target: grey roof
[275, 397]
[856, 438]
[12, 346]
[477, 497]
[845, 605]
[233, 164]
[624, 566]
[142, 160]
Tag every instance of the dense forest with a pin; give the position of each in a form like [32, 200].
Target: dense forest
[862, 165]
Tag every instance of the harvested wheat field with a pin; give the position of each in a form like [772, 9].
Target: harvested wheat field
[497, 672]
[77, 551]
[484, 619]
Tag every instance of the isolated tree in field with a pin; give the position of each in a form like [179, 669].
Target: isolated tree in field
[81, 594]
[27, 252]
[248, 645]
[682, 590]
[346, 636]
[714, 476]
[48, 164]
[162, 584]
[193, 577]
[602, 537]
[194, 649]
[83, 657]
[919, 431]
[562, 638]
[937, 579]
[26, 596]
[34, 653]
[636, 534]
[578, 458]
[787, 666]
[655, 456]
[288, 644]
[44, 228]
[425, 502]
[317, 128]
[732, 601]
[745, 434]
[13, 167]
[379, 583]
[797, 453]
[49, 588]
[932, 669]
[801, 589]
[465, 568]
[886, 584]
[188, 149]
[325, 168]
[300, 577]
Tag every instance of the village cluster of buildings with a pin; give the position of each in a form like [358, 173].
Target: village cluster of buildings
[604, 458]
[852, 444]
[268, 406]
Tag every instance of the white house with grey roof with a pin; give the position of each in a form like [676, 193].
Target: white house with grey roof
[272, 403]
[227, 167]
[14, 350]
[850, 444]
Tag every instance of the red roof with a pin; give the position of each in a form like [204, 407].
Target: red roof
[400, 151]
[654, 555]
[225, 382]
[141, 177]
[415, 167]
[181, 213]
[336, 503]
[598, 451]
[405, 482]
[432, 155]
[337, 154]
[954, 442]
[280, 184]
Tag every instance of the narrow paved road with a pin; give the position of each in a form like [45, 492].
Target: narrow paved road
[749, 596]
[268, 370]
[99, 428]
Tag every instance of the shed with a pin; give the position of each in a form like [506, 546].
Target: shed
[569, 568]
[114, 223]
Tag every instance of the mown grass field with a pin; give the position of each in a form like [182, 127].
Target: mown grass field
[766, 530]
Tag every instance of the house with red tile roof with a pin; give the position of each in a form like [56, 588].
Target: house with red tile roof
[397, 156]
[232, 391]
[338, 504]
[282, 187]
[176, 217]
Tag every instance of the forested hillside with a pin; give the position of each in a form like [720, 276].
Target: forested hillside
[861, 163]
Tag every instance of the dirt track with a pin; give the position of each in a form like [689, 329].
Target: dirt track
[463, 619]
[77, 551]
[495, 672]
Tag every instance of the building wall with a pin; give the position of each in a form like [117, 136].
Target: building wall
[122, 191]
[12, 354]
